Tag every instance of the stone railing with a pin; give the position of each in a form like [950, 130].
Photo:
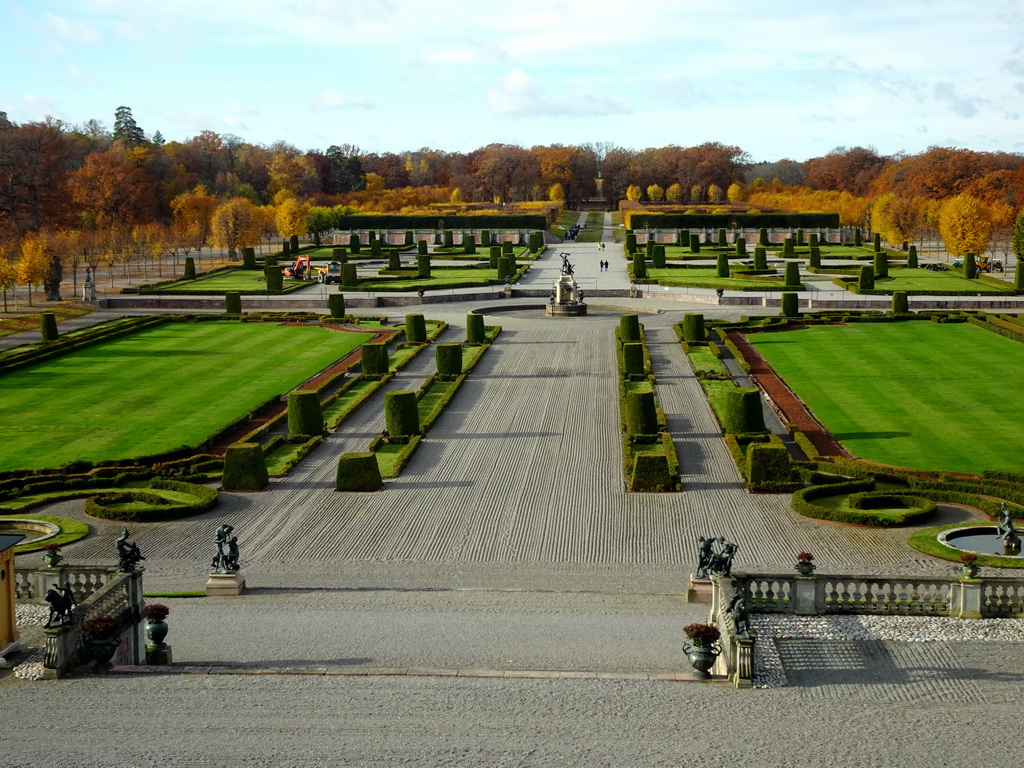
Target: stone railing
[829, 595]
[98, 592]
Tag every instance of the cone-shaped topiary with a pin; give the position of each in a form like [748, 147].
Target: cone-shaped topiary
[857, 239]
[881, 265]
[787, 247]
[1018, 278]
[449, 361]
[506, 268]
[475, 333]
[767, 463]
[876, 242]
[401, 414]
[812, 239]
[649, 246]
[792, 273]
[814, 260]
[790, 305]
[741, 246]
[336, 304]
[722, 265]
[693, 328]
[374, 360]
[409, 238]
[48, 326]
[286, 248]
[449, 239]
[866, 281]
[190, 268]
[650, 473]
[423, 264]
[493, 256]
[800, 237]
[415, 329]
[900, 303]
[469, 243]
[248, 258]
[633, 359]
[629, 328]
[970, 266]
[245, 468]
[639, 266]
[760, 257]
[421, 248]
[641, 414]
[358, 472]
[233, 303]
[349, 276]
[912, 257]
[354, 244]
[275, 278]
[340, 254]
[270, 260]
[305, 416]
[742, 411]
[762, 237]
[375, 248]
[694, 243]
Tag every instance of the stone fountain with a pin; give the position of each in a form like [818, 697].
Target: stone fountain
[566, 298]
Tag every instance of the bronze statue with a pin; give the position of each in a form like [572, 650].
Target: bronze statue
[566, 264]
[226, 559]
[721, 562]
[61, 604]
[705, 553]
[740, 619]
[1006, 531]
[128, 553]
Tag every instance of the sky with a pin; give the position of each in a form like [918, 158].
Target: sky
[778, 78]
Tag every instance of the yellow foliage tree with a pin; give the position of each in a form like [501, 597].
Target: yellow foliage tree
[633, 192]
[965, 225]
[33, 262]
[237, 223]
[897, 219]
[556, 193]
[456, 197]
[194, 208]
[655, 193]
[291, 218]
[715, 193]
[736, 193]
[674, 193]
[696, 193]
[8, 275]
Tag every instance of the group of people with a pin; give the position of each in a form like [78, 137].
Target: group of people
[604, 265]
[572, 232]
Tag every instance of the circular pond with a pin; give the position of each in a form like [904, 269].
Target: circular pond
[981, 539]
[32, 530]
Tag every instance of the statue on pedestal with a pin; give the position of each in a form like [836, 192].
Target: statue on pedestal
[226, 559]
[128, 553]
[1007, 532]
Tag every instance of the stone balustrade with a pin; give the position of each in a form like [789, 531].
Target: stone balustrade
[31, 584]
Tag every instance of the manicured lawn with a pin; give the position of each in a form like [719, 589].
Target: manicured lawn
[31, 322]
[168, 386]
[902, 279]
[913, 394]
[700, 276]
[447, 277]
[232, 280]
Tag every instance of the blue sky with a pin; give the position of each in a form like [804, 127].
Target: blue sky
[779, 78]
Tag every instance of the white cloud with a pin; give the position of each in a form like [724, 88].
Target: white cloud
[332, 100]
[85, 78]
[72, 31]
[519, 95]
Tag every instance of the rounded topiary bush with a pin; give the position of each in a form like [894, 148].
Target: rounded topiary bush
[415, 329]
[423, 265]
[475, 333]
[900, 303]
[792, 273]
[248, 258]
[374, 360]
[742, 410]
[790, 305]
[866, 281]
[633, 360]
[358, 472]
[349, 276]
[233, 303]
[275, 278]
[651, 473]
[305, 416]
[190, 268]
[245, 468]
[401, 414]
[760, 257]
[336, 304]
[693, 328]
[629, 328]
[449, 360]
[641, 414]
[48, 326]
[722, 265]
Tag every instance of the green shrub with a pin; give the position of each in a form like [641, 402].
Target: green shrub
[762, 237]
[305, 416]
[812, 239]
[336, 304]
[641, 413]
[349, 276]
[394, 260]
[684, 238]
[506, 248]
[421, 248]
[760, 257]
[693, 328]
[741, 246]
[409, 238]
[415, 329]
[767, 463]
[358, 472]
[814, 260]
[293, 241]
[722, 265]
[792, 273]
[449, 360]
[631, 243]
[494, 255]
[649, 246]
[694, 243]
[48, 326]
[475, 331]
[650, 473]
[233, 303]
[485, 237]
[857, 238]
[374, 360]
[248, 258]
[270, 260]
[629, 328]
[723, 238]
[912, 257]
[900, 303]
[506, 269]
[245, 468]
[658, 257]
[469, 242]
[970, 266]
[881, 262]
[354, 244]
[449, 239]
[375, 247]
[633, 359]
[790, 305]
[275, 278]
[787, 247]
[800, 237]
[866, 281]
[876, 242]
[639, 266]
[742, 410]
[190, 269]
[401, 414]
[340, 254]
[423, 264]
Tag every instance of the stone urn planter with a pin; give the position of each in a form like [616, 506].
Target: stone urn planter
[804, 563]
[52, 556]
[703, 649]
[100, 638]
[156, 627]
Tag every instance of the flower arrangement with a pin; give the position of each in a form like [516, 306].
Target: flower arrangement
[156, 612]
[804, 557]
[702, 635]
[969, 558]
[54, 548]
[101, 628]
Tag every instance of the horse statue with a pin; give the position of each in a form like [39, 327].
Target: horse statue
[62, 602]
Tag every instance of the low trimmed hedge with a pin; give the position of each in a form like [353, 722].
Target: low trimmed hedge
[916, 505]
[152, 507]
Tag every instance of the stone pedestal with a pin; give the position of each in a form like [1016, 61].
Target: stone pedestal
[965, 598]
[225, 584]
[158, 656]
[699, 590]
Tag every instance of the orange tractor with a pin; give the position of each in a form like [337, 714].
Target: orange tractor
[300, 270]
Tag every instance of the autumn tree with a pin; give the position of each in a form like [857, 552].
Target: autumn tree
[736, 193]
[964, 225]
[633, 192]
[897, 219]
[715, 193]
[674, 193]
[319, 221]
[33, 177]
[109, 189]
[237, 223]
[1018, 237]
[194, 210]
[655, 193]
[34, 262]
[845, 170]
[8, 275]
[291, 218]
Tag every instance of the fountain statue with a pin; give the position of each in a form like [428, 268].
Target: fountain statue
[566, 296]
[1006, 531]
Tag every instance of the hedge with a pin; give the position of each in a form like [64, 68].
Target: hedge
[475, 333]
[693, 328]
[629, 328]
[305, 417]
[734, 220]
[415, 329]
[449, 360]
[803, 504]
[429, 222]
[401, 414]
[742, 411]
[651, 473]
[358, 472]
[156, 507]
[245, 468]
[374, 360]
